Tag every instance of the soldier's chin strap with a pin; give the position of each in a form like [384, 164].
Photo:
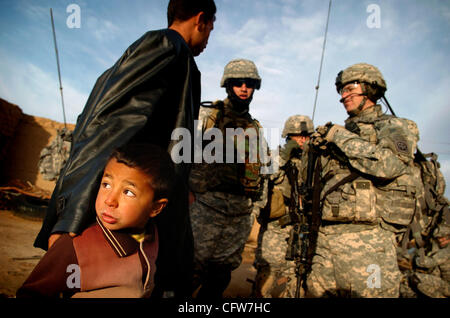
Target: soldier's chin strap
[358, 109]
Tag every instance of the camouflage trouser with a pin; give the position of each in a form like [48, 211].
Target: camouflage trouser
[218, 238]
[354, 264]
[275, 276]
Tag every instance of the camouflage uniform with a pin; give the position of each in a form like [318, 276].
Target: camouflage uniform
[432, 273]
[424, 254]
[369, 195]
[275, 276]
[226, 194]
[54, 156]
[429, 275]
[432, 277]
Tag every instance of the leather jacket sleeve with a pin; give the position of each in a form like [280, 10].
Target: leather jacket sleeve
[151, 90]
[50, 276]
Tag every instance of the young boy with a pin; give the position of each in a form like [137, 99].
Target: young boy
[115, 256]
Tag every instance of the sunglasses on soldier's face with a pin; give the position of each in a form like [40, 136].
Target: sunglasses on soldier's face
[348, 88]
[238, 82]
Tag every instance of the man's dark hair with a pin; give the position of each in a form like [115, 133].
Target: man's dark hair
[153, 161]
[182, 10]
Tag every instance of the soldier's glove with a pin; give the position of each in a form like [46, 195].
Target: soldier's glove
[317, 138]
[332, 132]
[427, 262]
[325, 134]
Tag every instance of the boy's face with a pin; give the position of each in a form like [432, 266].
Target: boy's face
[125, 198]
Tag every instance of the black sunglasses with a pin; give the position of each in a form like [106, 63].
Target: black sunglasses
[249, 82]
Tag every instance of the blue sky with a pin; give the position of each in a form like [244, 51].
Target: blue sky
[284, 38]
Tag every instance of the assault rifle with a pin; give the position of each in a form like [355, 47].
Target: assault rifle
[301, 241]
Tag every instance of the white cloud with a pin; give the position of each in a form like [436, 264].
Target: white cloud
[36, 92]
[34, 11]
[103, 30]
[304, 26]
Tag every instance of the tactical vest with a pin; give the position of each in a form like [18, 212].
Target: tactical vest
[353, 197]
[241, 178]
[54, 156]
[279, 192]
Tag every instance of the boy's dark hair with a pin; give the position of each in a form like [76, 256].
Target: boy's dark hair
[153, 161]
[182, 10]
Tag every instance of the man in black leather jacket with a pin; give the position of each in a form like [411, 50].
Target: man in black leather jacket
[152, 89]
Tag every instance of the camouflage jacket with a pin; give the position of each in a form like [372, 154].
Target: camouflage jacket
[379, 149]
[280, 179]
[236, 182]
[279, 188]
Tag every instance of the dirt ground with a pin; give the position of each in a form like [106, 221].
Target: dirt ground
[18, 256]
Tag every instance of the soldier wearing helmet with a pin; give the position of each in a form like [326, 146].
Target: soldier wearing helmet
[297, 130]
[369, 192]
[275, 276]
[360, 86]
[240, 79]
[228, 194]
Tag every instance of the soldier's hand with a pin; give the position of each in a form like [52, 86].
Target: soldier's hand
[323, 130]
[325, 134]
[318, 137]
[427, 262]
[317, 140]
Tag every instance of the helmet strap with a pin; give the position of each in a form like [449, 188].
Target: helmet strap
[357, 110]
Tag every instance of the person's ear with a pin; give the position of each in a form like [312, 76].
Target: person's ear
[200, 21]
[157, 207]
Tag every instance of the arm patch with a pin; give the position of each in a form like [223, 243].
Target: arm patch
[401, 145]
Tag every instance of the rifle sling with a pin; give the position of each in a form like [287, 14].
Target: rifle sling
[315, 212]
[316, 202]
[352, 176]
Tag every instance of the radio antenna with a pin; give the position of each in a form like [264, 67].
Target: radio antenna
[321, 60]
[59, 72]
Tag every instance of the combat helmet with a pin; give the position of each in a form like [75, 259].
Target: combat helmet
[240, 68]
[296, 125]
[370, 78]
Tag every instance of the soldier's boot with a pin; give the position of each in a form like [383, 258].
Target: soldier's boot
[216, 280]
